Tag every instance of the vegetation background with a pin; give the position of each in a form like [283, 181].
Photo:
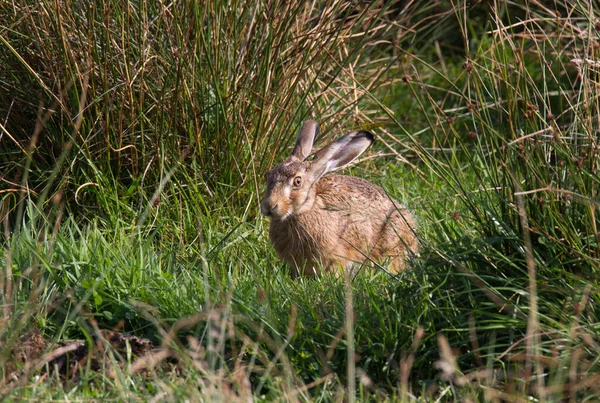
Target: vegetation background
[134, 136]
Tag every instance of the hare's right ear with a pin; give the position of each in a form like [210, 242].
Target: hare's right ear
[305, 139]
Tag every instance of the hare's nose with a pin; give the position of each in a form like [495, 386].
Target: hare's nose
[267, 208]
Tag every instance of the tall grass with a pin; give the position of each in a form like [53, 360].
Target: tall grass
[139, 94]
[513, 136]
[135, 136]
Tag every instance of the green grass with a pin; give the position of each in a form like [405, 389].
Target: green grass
[135, 138]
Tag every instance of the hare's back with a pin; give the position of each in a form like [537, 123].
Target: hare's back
[353, 194]
[366, 211]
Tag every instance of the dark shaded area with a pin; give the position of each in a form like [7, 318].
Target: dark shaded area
[35, 353]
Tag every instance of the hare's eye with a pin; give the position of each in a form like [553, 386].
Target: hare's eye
[297, 181]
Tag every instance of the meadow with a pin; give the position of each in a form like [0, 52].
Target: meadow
[134, 139]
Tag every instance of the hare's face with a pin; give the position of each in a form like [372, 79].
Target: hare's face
[287, 193]
[290, 185]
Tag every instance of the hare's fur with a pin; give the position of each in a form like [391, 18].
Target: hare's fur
[332, 221]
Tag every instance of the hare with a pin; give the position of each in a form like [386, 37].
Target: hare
[321, 221]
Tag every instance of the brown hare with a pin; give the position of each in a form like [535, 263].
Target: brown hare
[332, 221]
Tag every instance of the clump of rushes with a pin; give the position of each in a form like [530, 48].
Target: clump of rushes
[130, 96]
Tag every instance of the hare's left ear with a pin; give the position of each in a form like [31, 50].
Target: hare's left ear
[341, 152]
[305, 139]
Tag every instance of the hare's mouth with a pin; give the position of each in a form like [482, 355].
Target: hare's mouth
[274, 212]
[285, 216]
[279, 215]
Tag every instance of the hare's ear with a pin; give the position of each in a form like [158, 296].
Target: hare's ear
[305, 139]
[341, 152]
